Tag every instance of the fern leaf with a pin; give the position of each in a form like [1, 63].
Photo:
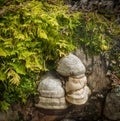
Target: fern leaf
[42, 34]
[2, 53]
[14, 77]
[2, 75]
[61, 53]
[18, 67]
[25, 54]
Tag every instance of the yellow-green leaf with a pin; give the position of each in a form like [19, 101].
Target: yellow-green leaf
[42, 34]
[2, 76]
[4, 105]
[14, 77]
[19, 67]
[2, 52]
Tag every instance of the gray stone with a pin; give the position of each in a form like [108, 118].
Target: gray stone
[112, 105]
[9, 115]
[70, 65]
[95, 71]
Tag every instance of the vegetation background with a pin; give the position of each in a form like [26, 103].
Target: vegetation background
[34, 34]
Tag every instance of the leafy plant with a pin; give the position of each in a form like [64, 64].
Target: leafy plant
[34, 34]
[92, 33]
[31, 37]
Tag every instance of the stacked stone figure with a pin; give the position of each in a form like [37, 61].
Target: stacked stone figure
[77, 91]
[52, 94]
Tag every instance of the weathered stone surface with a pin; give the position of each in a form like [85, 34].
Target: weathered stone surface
[70, 65]
[9, 115]
[95, 71]
[112, 105]
[98, 80]
[75, 83]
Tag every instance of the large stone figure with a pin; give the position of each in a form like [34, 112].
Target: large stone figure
[77, 91]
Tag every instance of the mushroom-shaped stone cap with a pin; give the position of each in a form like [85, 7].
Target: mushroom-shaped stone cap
[70, 65]
[51, 87]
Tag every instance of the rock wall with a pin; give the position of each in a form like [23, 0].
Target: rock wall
[96, 71]
[99, 84]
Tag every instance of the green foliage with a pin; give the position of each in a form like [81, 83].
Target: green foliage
[4, 105]
[34, 35]
[91, 33]
[114, 57]
[99, 35]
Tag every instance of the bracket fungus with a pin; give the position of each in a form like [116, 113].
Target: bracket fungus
[52, 94]
[77, 91]
[70, 65]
